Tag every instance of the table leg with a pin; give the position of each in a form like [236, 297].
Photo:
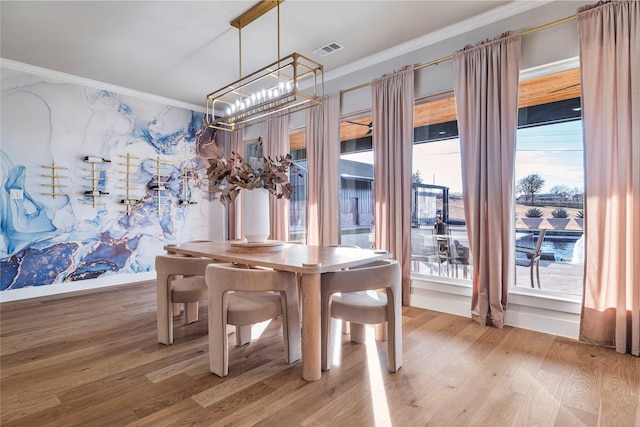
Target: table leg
[310, 284]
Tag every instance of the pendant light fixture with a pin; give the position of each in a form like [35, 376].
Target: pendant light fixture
[292, 83]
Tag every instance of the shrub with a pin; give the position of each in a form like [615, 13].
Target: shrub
[560, 213]
[533, 213]
[580, 214]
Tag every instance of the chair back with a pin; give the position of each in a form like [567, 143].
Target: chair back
[378, 275]
[172, 264]
[236, 277]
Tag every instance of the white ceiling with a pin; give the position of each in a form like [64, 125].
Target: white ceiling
[183, 50]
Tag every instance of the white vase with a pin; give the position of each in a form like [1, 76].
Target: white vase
[255, 215]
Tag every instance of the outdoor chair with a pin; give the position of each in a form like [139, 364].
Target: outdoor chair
[533, 256]
[458, 256]
[426, 247]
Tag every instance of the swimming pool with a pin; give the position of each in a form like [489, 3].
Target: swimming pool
[558, 246]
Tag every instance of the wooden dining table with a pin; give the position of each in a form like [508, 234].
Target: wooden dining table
[307, 261]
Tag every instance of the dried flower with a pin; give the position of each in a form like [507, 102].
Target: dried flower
[229, 176]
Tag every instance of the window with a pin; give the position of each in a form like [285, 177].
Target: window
[548, 153]
[298, 177]
[356, 183]
[439, 240]
[549, 178]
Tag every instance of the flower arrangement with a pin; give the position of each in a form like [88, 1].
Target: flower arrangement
[229, 176]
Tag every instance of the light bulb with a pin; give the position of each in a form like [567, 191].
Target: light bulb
[233, 108]
[264, 94]
[228, 111]
[276, 93]
[288, 86]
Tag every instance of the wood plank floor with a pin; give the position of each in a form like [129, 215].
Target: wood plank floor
[91, 359]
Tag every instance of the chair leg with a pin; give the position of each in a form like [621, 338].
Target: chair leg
[531, 272]
[164, 309]
[325, 333]
[394, 327]
[190, 312]
[291, 332]
[382, 332]
[218, 340]
[537, 275]
[177, 309]
[394, 348]
[358, 333]
[243, 335]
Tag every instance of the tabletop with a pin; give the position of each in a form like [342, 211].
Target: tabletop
[297, 258]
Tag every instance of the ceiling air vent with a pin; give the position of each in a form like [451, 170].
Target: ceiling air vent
[327, 49]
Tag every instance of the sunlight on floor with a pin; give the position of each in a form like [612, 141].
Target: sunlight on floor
[258, 329]
[336, 328]
[378, 395]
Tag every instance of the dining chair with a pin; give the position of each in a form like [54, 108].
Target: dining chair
[533, 256]
[364, 295]
[243, 296]
[179, 280]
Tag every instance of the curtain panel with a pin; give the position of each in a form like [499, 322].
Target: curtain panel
[486, 92]
[235, 144]
[276, 143]
[609, 35]
[392, 152]
[323, 157]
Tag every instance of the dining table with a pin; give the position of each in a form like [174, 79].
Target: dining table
[309, 262]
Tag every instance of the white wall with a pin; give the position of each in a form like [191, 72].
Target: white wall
[537, 49]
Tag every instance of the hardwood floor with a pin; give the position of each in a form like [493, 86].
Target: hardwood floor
[92, 359]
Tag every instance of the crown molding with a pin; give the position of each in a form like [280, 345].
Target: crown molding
[70, 78]
[462, 27]
[551, 68]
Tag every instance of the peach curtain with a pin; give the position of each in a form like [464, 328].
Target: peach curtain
[609, 36]
[276, 143]
[323, 156]
[392, 152]
[235, 144]
[486, 90]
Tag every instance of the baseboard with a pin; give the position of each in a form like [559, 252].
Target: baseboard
[80, 285]
[543, 313]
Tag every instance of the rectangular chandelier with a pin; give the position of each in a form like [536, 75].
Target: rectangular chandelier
[290, 84]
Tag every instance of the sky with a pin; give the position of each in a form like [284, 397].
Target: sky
[552, 151]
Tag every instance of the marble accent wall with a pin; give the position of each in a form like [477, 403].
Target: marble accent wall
[47, 239]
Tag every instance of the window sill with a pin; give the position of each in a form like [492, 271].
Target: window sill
[538, 310]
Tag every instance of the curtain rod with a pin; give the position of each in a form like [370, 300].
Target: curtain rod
[448, 57]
